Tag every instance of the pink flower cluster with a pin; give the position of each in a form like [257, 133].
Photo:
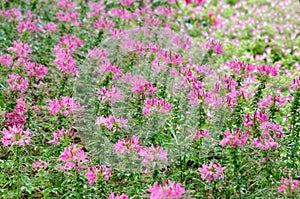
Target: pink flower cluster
[64, 54]
[103, 23]
[37, 70]
[267, 70]
[288, 185]
[14, 14]
[40, 164]
[97, 53]
[15, 136]
[210, 172]
[214, 45]
[26, 26]
[170, 57]
[198, 92]
[6, 60]
[50, 27]
[233, 139]
[111, 68]
[139, 85]
[18, 116]
[19, 49]
[145, 88]
[122, 12]
[28, 22]
[72, 157]
[199, 2]
[96, 8]
[295, 84]
[257, 117]
[171, 190]
[111, 123]
[93, 173]
[124, 146]
[270, 131]
[264, 142]
[68, 12]
[112, 196]
[61, 134]
[65, 106]
[126, 2]
[152, 155]
[17, 83]
[111, 95]
[156, 104]
[240, 67]
[201, 133]
[270, 100]
[270, 128]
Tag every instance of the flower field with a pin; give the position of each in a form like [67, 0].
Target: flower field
[159, 99]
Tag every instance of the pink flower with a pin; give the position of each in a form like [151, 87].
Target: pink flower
[199, 134]
[26, 26]
[153, 155]
[234, 139]
[171, 190]
[72, 156]
[13, 14]
[40, 164]
[69, 42]
[20, 49]
[270, 128]
[66, 4]
[50, 27]
[156, 104]
[103, 23]
[278, 101]
[214, 45]
[38, 70]
[124, 146]
[213, 171]
[111, 69]
[111, 95]
[139, 85]
[15, 136]
[199, 2]
[112, 196]
[54, 107]
[69, 17]
[265, 142]
[96, 7]
[18, 116]
[295, 84]
[111, 122]
[64, 54]
[93, 173]
[60, 134]
[17, 83]
[6, 60]
[68, 12]
[126, 2]
[288, 185]
[64, 106]
[267, 70]
[97, 53]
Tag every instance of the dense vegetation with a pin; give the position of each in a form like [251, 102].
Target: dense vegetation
[149, 99]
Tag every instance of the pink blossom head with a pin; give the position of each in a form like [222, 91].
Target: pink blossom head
[15, 136]
[170, 190]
